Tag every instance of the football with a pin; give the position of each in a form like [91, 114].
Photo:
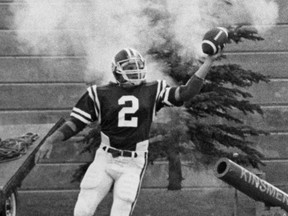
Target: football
[214, 40]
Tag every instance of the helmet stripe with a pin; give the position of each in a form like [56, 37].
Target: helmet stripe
[134, 53]
[129, 52]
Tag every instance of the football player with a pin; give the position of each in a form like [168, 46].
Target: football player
[125, 110]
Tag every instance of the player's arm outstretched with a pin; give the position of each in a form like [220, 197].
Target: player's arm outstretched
[67, 130]
[84, 109]
[194, 84]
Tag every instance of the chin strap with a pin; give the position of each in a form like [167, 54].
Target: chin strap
[127, 84]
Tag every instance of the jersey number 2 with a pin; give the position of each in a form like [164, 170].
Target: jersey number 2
[133, 121]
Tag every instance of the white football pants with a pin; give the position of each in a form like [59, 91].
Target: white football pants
[125, 172]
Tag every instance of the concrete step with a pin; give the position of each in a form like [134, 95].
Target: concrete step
[35, 69]
[72, 42]
[40, 96]
[60, 175]
[151, 202]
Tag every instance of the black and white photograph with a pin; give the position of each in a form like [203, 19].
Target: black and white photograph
[143, 108]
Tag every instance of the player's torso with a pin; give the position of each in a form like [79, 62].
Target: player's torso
[126, 113]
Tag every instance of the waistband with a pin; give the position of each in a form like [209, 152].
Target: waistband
[139, 146]
[117, 153]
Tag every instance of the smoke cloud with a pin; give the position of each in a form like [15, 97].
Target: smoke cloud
[194, 18]
[97, 29]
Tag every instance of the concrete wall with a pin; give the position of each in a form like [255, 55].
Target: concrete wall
[40, 89]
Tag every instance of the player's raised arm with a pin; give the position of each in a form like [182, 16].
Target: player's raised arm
[213, 44]
[194, 84]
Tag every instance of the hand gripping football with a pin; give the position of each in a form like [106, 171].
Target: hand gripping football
[214, 40]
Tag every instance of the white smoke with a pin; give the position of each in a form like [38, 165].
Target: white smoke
[97, 29]
[263, 14]
[195, 17]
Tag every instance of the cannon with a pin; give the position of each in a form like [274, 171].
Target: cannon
[250, 184]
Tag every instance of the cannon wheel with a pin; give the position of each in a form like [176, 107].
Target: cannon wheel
[10, 205]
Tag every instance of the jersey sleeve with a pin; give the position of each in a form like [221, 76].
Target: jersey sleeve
[84, 110]
[166, 96]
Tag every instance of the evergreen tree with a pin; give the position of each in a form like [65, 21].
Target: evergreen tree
[213, 123]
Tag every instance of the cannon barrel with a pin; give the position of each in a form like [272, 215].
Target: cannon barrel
[250, 184]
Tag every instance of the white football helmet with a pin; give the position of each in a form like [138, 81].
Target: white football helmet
[129, 67]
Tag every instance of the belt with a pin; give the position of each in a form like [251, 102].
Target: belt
[118, 153]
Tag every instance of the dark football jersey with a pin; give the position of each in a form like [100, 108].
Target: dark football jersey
[125, 114]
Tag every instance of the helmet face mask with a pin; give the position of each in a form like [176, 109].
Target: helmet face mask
[129, 67]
